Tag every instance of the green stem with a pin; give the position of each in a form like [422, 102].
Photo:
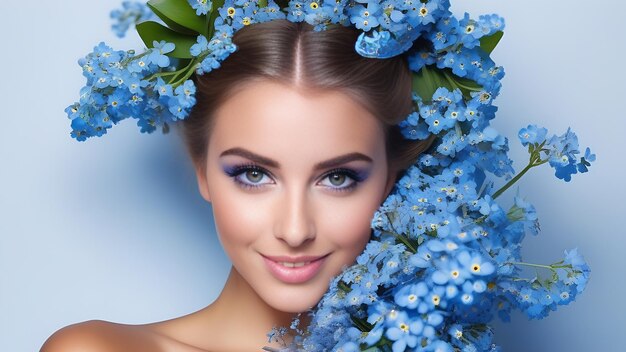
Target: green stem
[161, 74]
[512, 181]
[190, 69]
[533, 265]
[403, 240]
[450, 80]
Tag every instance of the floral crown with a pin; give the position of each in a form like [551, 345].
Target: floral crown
[445, 257]
[187, 37]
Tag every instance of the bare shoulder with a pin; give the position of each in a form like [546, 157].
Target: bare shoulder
[101, 336]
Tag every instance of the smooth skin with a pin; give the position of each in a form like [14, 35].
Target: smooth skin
[273, 192]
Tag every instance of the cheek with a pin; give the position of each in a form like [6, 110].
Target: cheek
[238, 219]
[349, 225]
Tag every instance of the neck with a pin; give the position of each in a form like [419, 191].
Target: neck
[244, 318]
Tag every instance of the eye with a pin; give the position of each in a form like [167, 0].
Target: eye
[250, 176]
[341, 179]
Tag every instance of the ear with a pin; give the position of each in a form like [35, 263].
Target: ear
[203, 186]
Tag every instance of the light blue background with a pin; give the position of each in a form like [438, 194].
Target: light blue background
[114, 228]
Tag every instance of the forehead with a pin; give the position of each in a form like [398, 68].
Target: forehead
[281, 121]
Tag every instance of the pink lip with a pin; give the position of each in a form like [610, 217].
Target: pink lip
[297, 274]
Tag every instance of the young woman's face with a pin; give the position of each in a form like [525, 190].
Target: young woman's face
[292, 174]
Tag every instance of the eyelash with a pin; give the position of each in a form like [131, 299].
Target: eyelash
[240, 169]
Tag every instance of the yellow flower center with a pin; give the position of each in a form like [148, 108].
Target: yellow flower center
[476, 268]
[423, 11]
[231, 11]
[314, 5]
[436, 300]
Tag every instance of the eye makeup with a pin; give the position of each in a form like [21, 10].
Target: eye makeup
[239, 173]
[356, 177]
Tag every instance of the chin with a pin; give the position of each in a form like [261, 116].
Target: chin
[293, 301]
[291, 298]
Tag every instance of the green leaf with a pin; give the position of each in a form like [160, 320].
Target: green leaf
[427, 81]
[216, 4]
[150, 31]
[262, 3]
[489, 43]
[179, 16]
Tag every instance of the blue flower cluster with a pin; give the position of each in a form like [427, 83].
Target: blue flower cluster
[233, 15]
[445, 257]
[388, 27]
[130, 13]
[444, 261]
[122, 85]
[559, 151]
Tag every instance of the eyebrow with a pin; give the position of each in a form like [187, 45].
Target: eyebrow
[336, 161]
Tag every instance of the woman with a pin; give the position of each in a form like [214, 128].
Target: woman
[295, 146]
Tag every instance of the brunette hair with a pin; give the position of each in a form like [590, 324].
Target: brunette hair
[295, 54]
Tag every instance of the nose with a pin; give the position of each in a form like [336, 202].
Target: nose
[295, 223]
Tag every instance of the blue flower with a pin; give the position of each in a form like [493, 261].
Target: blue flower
[475, 263]
[400, 331]
[202, 44]
[185, 94]
[532, 135]
[365, 18]
[157, 54]
[202, 7]
[164, 90]
[296, 10]
[422, 15]
[409, 296]
[132, 12]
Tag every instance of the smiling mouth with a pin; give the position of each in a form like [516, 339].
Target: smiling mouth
[293, 265]
[295, 270]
